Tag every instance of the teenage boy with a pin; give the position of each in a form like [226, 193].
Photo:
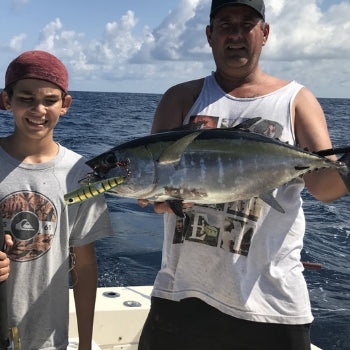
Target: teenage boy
[49, 239]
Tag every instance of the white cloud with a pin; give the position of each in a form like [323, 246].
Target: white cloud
[119, 40]
[305, 44]
[16, 42]
[308, 33]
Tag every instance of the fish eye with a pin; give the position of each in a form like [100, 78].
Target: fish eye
[110, 158]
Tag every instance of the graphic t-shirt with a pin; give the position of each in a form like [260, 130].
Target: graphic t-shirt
[242, 257]
[43, 229]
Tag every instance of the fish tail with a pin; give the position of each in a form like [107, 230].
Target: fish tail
[92, 190]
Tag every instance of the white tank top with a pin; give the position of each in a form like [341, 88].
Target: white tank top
[243, 258]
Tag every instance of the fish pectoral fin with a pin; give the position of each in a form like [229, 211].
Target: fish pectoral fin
[173, 153]
[269, 199]
[301, 168]
[176, 206]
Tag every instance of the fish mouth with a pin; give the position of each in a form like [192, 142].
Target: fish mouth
[90, 178]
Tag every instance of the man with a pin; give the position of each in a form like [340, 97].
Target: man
[253, 296]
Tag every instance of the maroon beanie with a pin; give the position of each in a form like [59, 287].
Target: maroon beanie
[36, 65]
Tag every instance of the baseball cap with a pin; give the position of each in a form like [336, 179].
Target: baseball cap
[257, 5]
[36, 65]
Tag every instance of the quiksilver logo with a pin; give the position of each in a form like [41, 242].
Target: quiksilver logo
[24, 225]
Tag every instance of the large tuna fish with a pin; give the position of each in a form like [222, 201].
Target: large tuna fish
[205, 167]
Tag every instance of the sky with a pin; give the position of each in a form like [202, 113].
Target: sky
[148, 46]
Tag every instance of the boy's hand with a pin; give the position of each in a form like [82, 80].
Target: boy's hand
[4, 266]
[8, 243]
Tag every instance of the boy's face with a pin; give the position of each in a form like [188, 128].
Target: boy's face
[36, 106]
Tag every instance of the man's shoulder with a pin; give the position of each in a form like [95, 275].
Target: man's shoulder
[178, 99]
[272, 83]
[184, 94]
[188, 86]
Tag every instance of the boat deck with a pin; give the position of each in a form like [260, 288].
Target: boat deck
[120, 313]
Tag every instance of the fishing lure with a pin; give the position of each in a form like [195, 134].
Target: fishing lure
[92, 190]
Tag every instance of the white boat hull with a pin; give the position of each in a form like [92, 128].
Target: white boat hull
[117, 326]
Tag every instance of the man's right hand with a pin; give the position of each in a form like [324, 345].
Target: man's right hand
[161, 207]
[346, 177]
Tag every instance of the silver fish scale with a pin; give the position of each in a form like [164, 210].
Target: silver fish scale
[205, 166]
[215, 171]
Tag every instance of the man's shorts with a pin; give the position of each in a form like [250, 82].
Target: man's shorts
[194, 325]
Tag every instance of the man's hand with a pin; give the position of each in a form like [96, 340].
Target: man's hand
[161, 207]
[158, 207]
[346, 177]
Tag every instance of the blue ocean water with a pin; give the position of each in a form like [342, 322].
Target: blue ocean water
[99, 121]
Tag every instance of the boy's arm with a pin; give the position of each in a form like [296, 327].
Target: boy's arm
[84, 278]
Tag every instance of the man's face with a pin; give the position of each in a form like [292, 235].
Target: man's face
[237, 36]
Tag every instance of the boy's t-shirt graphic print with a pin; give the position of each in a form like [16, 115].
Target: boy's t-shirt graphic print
[31, 219]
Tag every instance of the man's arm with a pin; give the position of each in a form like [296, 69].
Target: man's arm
[170, 113]
[84, 278]
[175, 104]
[312, 133]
